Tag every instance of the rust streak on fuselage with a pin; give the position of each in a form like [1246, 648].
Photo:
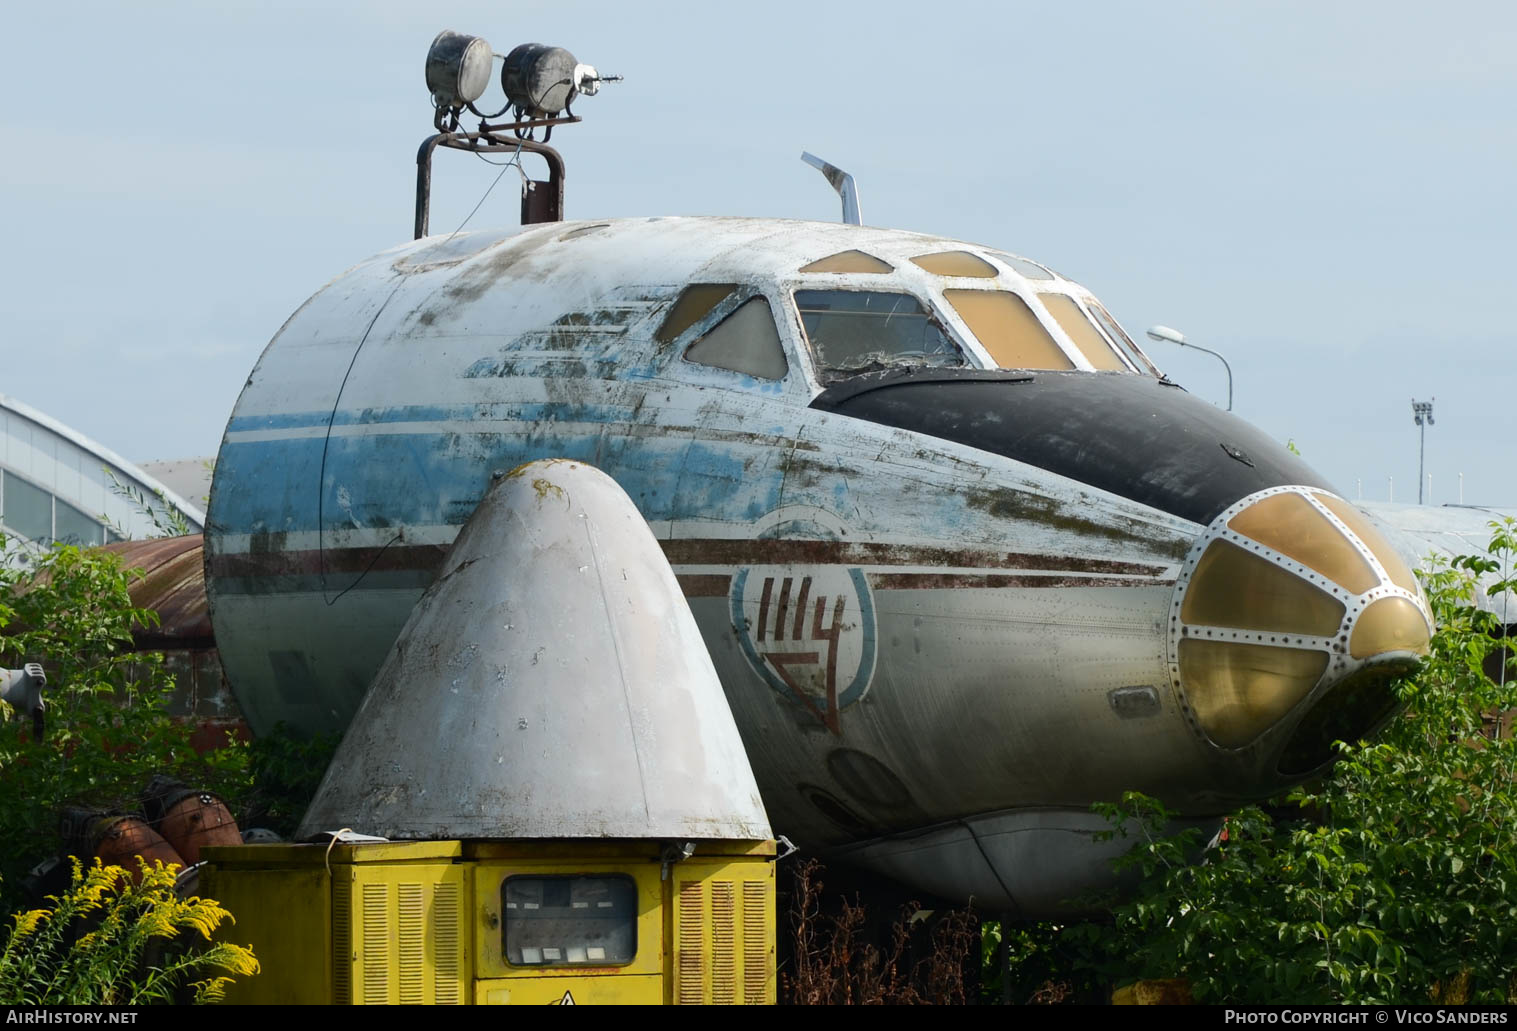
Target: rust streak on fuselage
[744, 552]
[957, 581]
[734, 552]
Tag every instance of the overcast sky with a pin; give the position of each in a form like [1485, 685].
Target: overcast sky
[1320, 191]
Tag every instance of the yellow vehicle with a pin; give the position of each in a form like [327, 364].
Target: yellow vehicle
[493, 922]
[554, 801]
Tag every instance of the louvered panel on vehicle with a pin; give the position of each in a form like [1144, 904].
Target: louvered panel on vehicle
[723, 943]
[342, 938]
[376, 944]
[411, 943]
[446, 929]
[756, 944]
[690, 982]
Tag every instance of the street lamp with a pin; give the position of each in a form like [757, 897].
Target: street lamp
[1174, 336]
[1421, 410]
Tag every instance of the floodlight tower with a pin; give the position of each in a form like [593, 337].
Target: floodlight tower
[1422, 413]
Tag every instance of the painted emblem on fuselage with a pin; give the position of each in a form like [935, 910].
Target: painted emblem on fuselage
[809, 632]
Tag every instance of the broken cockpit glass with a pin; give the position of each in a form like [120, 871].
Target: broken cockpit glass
[854, 331]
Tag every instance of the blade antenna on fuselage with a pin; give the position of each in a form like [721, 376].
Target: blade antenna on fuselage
[843, 183]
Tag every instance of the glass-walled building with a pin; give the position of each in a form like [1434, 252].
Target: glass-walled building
[58, 485]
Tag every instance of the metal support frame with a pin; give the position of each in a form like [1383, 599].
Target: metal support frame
[544, 202]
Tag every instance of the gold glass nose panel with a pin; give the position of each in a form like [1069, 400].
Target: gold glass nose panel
[1238, 691]
[956, 263]
[1389, 625]
[1291, 525]
[1400, 573]
[1234, 588]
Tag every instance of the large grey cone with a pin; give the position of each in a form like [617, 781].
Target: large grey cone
[551, 684]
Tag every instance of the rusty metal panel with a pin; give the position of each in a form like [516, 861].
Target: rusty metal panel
[172, 585]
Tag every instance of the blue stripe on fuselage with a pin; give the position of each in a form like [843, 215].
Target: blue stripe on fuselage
[437, 478]
[484, 411]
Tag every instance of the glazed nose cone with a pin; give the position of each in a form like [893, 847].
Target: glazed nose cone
[1291, 617]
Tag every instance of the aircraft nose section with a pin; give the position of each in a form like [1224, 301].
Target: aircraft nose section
[1291, 617]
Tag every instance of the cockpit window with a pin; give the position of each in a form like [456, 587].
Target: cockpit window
[693, 305]
[853, 331]
[956, 263]
[1008, 329]
[1027, 269]
[1119, 337]
[849, 261]
[1085, 336]
[745, 341]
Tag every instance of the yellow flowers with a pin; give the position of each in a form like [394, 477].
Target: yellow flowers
[131, 951]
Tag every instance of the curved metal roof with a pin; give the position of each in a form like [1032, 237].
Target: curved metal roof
[108, 457]
[172, 585]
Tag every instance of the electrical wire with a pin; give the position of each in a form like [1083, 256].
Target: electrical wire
[514, 160]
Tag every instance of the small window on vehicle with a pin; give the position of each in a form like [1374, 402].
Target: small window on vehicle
[956, 263]
[849, 261]
[1120, 337]
[853, 331]
[745, 341]
[693, 305]
[1008, 329]
[570, 921]
[1027, 269]
[1085, 336]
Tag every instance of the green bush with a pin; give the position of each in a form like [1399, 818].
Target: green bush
[108, 726]
[112, 941]
[285, 771]
[1392, 880]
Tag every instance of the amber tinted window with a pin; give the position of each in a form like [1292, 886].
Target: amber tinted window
[1390, 624]
[849, 261]
[1395, 567]
[1238, 691]
[745, 341]
[1085, 336]
[1008, 329]
[692, 306]
[853, 331]
[1236, 588]
[1293, 527]
[956, 263]
[570, 921]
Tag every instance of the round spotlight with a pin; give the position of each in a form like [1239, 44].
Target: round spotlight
[540, 81]
[458, 68]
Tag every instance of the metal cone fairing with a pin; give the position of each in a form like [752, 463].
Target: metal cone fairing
[551, 683]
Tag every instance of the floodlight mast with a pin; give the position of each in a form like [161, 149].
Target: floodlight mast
[1421, 410]
[540, 83]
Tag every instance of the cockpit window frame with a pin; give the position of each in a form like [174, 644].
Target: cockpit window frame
[797, 377]
[1105, 321]
[1083, 309]
[932, 308]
